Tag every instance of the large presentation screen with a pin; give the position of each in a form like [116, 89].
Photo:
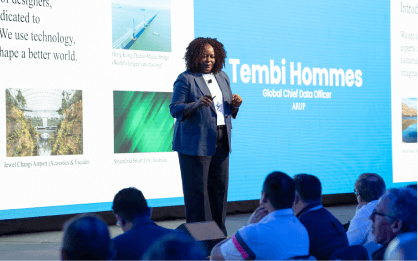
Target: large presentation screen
[329, 88]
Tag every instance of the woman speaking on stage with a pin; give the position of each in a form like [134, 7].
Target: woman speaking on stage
[203, 105]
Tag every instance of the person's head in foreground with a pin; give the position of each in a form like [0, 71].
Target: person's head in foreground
[176, 247]
[369, 187]
[394, 214]
[308, 191]
[278, 191]
[412, 186]
[129, 204]
[86, 237]
[205, 55]
[402, 247]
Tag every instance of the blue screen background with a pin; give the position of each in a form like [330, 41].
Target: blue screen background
[335, 139]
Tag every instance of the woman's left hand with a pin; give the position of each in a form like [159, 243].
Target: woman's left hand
[236, 100]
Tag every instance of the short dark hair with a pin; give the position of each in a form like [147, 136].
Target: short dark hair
[308, 187]
[175, 246]
[130, 203]
[194, 53]
[370, 186]
[86, 237]
[412, 186]
[279, 189]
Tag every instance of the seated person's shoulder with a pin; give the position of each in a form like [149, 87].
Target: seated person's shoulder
[133, 243]
[317, 216]
[272, 226]
[176, 233]
[146, 234]
[239, 245]
[120, 238]
[320, 220]
[248, 231]
[328, 214]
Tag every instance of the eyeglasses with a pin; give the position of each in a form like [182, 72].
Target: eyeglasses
[382, 215]
[355, 192]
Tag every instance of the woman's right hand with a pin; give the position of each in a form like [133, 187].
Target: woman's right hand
[205, 100]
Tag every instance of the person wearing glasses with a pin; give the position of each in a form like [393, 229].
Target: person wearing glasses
[368, 188]
[394, 214]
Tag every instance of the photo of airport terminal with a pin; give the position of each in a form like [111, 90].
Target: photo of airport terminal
[41, 122]
[141, 25]
[409, 120]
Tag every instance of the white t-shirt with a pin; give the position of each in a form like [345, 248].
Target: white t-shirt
[216, 92]
[277, 236]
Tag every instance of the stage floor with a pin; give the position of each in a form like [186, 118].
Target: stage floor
[46, 245]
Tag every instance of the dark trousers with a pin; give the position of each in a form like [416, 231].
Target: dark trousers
[205, 183]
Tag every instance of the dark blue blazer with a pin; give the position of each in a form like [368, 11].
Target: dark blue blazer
[326, 233]
[133, 244]
[196, 134]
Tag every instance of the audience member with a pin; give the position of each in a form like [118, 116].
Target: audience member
[273, 231]
[395, 213]
[176, 247]
[355, 252]
[326, 233]
[368, 188]
[412, 186]
[86, 237]
[140, 232]
[403, 247]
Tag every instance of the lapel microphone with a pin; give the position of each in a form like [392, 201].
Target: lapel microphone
[210, 81]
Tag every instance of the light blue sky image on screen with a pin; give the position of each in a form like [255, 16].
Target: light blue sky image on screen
[409, 120]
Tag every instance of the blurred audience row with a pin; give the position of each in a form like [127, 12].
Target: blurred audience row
[290, 223]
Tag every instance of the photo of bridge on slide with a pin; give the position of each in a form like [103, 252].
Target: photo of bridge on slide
[42, 122]
[141, 25]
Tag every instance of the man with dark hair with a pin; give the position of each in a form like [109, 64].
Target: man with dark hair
[140, 232]
[412, 186]
[175, 247]
[273, 232]
[86, 237]
[326, 233]
[368, 188]
[127, 205]
[395, 214]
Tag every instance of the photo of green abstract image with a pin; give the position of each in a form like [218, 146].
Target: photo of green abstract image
[142, 122]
